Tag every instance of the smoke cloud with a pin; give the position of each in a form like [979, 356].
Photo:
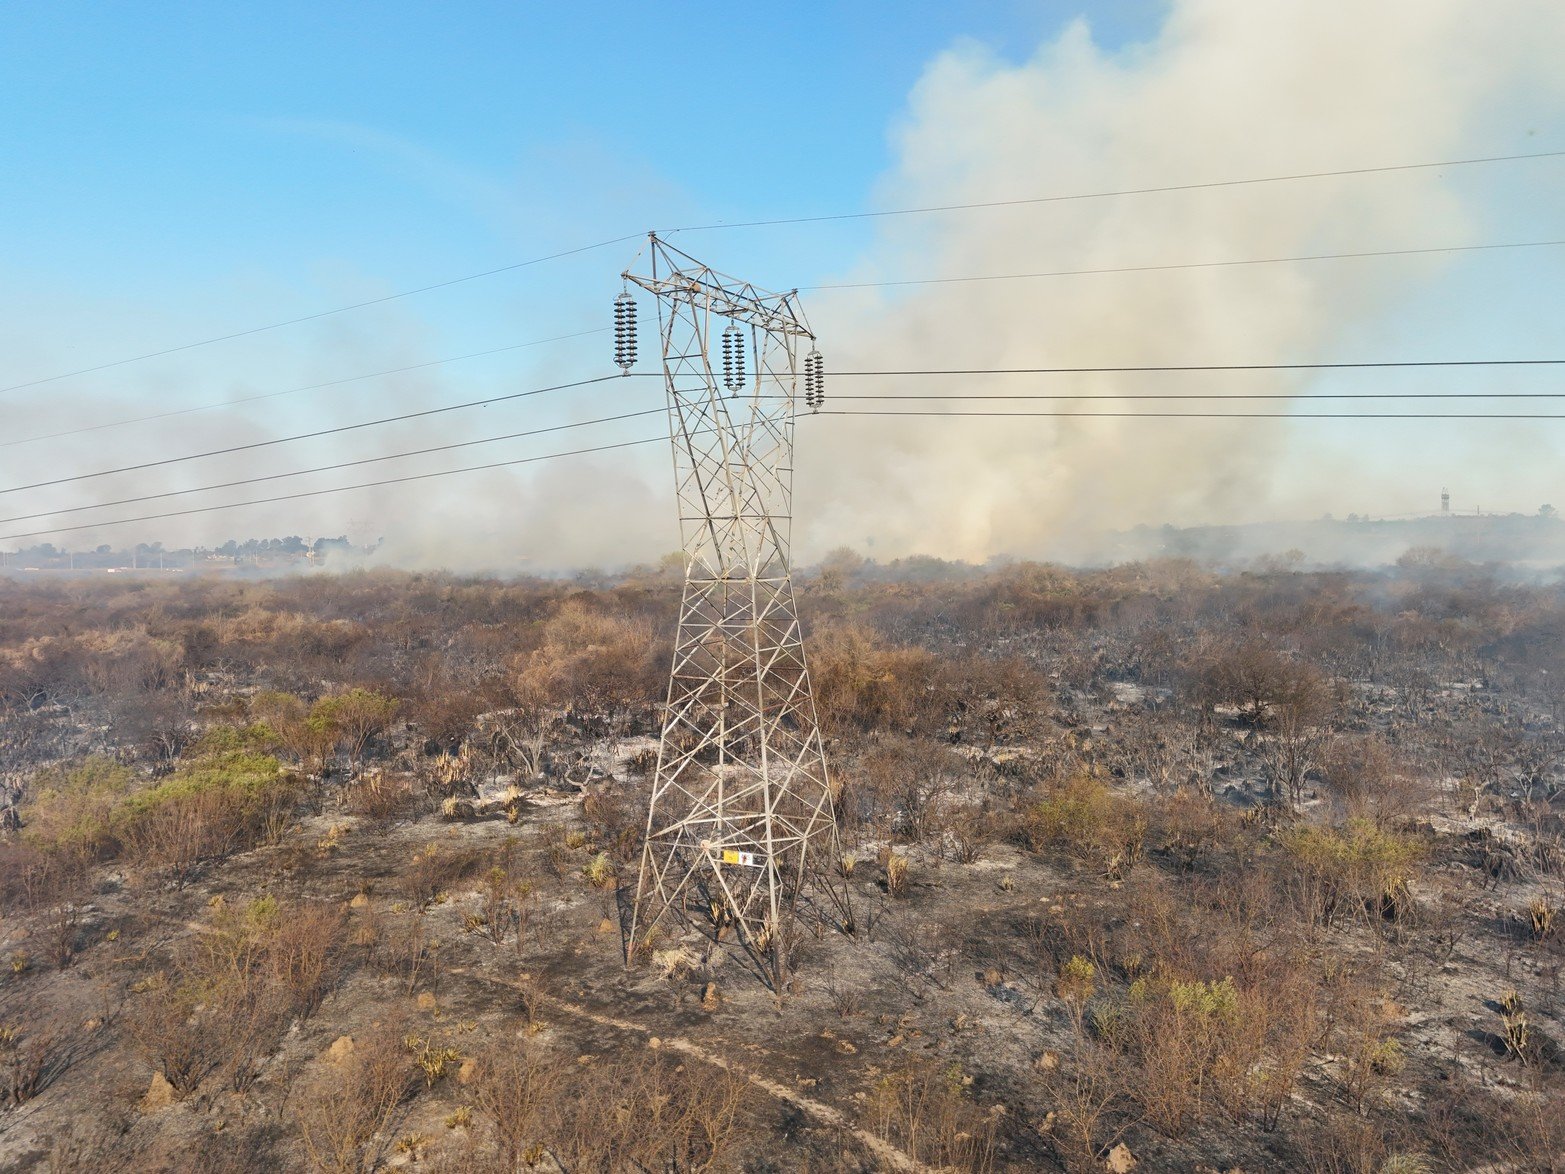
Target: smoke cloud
[1227, 89]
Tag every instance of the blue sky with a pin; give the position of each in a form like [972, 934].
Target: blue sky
[161, 146]
[171, 172]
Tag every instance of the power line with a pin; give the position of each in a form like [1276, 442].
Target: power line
[888, 373]
[306, 435]
[339, 489]
[1217, 395]
[858, 285]
[829, 412]
[1099, 195]
[250, 399]
[911, 211]
[330, 468]
[407, 293]
[850, 374]
[1363, 366]
[1139, 415]
[1185, 265]
[877, 397]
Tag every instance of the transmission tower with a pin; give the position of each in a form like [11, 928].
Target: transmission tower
[741, 830]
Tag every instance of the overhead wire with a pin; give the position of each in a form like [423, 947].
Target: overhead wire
[1106, 194]
[993, 277]
[1144, 415]
[1175, 367]
[331, 468]
[250, 399]
[337, 489]
[1215, 395]
[105, 524]
[1169, 368]
[916, 281]
[407, 293]
[891, 397]
[1185, 265]
[778, 221]
[237, 448]
[657, 439]
[1376, 365]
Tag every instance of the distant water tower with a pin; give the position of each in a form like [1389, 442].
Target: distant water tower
[1445, 501]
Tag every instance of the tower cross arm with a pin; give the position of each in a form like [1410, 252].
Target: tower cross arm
[773, 312]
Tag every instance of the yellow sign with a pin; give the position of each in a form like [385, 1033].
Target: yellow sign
[745, 859]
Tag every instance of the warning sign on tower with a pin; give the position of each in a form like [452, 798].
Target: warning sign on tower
[743, 859]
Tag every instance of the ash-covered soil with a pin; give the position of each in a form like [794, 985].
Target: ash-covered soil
[1152, 868]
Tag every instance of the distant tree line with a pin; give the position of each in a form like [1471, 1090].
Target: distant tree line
[48, 556]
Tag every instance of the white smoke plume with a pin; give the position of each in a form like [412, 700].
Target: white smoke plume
[1227, 89]
[1224, 89]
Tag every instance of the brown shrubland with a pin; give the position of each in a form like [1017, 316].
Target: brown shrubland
[346, 1109]
[1219, 823]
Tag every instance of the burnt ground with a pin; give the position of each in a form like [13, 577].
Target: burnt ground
[942, 976]
[1203, 872]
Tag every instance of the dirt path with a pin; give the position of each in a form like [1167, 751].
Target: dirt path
[891, 1157]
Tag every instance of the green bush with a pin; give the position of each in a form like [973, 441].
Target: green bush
[71, 808]
[216, 805]
[1085, 819]
[226, 795]
[243, 775]
[1353, 869]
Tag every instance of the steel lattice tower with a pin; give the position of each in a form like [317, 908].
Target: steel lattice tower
[741, 824]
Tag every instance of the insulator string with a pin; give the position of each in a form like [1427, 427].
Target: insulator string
[625, 332]
[733, 359]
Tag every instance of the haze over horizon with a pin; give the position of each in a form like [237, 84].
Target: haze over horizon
[204, 173]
